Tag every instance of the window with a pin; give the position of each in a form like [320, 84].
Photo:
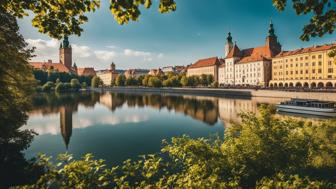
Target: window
[313, 64]
[329, 63]
[319, 70]
[301, 72]
[307, 64]
[320, 63]
[319, 56]
[330, 70]
[313, 57]
[307, 71]
[313, 71]
[306, 57]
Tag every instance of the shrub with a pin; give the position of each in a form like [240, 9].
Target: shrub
[48, 86]
[184, 81]
[75, 85]
[120, 80]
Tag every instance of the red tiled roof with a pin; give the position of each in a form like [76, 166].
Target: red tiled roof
[47, 65]
[234, 52]
[86, 71]
[306, 50]
[205, 63]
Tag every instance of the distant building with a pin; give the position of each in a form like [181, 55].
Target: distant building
[135, 73]
[250, 66]
[86, 72]
[168, 69]
[180, 69]
[304, 68]
[108, 76]
[65, 62]
[207, 66]
[155, 72]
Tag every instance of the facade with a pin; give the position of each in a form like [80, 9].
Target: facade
[155, 72]
[135, 73]
[108, 76]
[168, 69]
[65, 62]
[249, 67]
[86, 72]
[304, 68]
[207, 66]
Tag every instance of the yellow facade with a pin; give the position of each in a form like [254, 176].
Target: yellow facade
[308, 68]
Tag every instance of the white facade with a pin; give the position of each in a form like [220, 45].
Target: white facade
[252, 73]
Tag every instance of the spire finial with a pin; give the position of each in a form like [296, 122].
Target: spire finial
[271, 29]
[229, 38]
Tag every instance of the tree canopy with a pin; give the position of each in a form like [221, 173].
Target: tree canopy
[59, 18]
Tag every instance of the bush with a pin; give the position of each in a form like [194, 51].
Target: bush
[167, 83]
[48, 86]
[75, 85]
[260, 152]
[84, 85]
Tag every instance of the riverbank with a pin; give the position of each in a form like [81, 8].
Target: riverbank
[217, 92]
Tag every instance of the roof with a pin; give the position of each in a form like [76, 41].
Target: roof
[306, 50]
[155, 72]
[47, 65]
[205, 63]
[261, 53]
[234, 52]
[86, 71]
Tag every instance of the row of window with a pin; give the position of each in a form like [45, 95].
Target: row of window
[301, 58]
[297, 78]
[330, 70]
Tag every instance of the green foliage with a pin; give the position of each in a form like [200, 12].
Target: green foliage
[84, 85]
[184, 81]
[131, 82]
[96, 82]
[75, 85]
[56, 77]
[154, 82]
[120, 80]
[47, 87]
[261, 152]
[16, 88]
[59, 18]
[323, 16]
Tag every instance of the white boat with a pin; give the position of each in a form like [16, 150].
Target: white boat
[309, 107]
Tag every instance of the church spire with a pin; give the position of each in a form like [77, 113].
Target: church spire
[228, 45]
[66, 43]
[271, 32]
[229, 38]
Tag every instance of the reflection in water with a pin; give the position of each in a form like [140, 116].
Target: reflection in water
[205, 109]
[200, 108]
[66, 123]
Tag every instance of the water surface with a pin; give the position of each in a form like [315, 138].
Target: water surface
[117, 126]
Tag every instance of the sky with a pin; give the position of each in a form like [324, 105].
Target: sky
[196, 30]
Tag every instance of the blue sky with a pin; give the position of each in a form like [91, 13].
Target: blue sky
[197, 29]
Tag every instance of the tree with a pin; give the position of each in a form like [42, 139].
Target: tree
[203, 80]
[184, 81]
[120, 80]
[209, 79]
[64, 18]
[154, 82]
[16, 87]
[47, 87]
[75, 85]
[96, 82]
[167, 83]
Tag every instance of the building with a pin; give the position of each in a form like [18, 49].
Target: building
[207, 66]
[108, 76]
[249, 67]
[85, 71]
[65, 62]
[155, 72]
[168, 69]
[304, 68]
[135, 73]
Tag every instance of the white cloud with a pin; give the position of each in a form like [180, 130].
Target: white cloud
[86, 56]
[105, 55]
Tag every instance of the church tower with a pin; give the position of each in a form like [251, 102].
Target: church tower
[228, 45]
[272, 41]
[113, 67]
[65, 53]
